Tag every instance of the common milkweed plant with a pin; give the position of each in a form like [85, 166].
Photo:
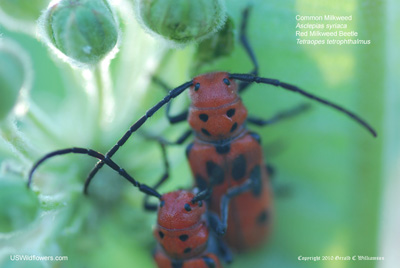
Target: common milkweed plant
[79, 73]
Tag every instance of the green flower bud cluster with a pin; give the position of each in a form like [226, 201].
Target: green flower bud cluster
[181, 21]
[84, 30]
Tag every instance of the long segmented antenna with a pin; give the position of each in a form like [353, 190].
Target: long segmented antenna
[75, 150]
[245, 42]
[251, 78]
[172, 94]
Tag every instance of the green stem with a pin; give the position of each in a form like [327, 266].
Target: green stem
[105, 98]
[41, 122]
[17, 141]
[98, 81]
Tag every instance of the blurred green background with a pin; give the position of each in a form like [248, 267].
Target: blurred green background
[343, 182]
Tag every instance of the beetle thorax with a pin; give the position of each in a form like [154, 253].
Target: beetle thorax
[216, 112]
[181, 227]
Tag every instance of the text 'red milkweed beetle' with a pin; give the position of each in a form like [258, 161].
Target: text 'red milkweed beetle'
[225, 158]
[181, 230]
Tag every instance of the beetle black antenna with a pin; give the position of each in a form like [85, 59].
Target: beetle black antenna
[75, 150]
[171, 94]
[245, 42]
[203, 195]
[251, 78]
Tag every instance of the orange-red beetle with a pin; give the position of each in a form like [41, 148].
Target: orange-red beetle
[224, 155]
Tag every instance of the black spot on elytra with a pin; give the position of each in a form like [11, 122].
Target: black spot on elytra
[230, 112]
[201, 182]
[196, 87]
[188, 208]
[255, 176]
[234, 127]
[203, 117]
[262, 218]
[176, 263]
[187, 250]
[205, 132]
[239, 167]
[223, 149]
[188, 149]
[161, 234]
[183, 237]
[256, 137]
[215, 172]
[210, 262]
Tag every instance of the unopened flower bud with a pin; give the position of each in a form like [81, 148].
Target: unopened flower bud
[181, 21]
[218, 45]
[84, 30]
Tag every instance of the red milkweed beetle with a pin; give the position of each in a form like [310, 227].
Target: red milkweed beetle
[225, 158]
[182, 233]
[182, 230]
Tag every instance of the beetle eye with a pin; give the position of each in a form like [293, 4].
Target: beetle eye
[227, 82]
[196, 87]
[188, 208]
